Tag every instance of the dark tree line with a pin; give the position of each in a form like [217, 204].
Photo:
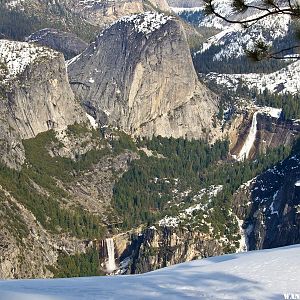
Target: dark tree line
[17, 24]
[78, 265]
[143, 192]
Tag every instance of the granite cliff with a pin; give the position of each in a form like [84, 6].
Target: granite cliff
[103, 13]
[35, 96]
[67, 43]
[85, 18]
[269, 206]
[147, 85]
[259, 130]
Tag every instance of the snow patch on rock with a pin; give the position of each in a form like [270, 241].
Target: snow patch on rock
[93, 122]
[285, 80]
[147, 22]
[169, 222]
[16, 56]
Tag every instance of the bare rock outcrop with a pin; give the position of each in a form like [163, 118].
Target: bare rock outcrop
[138, 76]
[35, 96]
[82, 17]
[159, 248]
[65, 42]
[269, 131]
[270, 206]
[103, 13]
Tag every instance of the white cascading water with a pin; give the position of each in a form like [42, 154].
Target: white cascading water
[245, 151]
[110, 265]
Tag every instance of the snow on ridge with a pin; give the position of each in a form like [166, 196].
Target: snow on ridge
[297, 183]
[14, 3]
[211, 192]
[147, 22]
[16, 56]
[269, 184]
[41, 34]
[169, 222]
[285, 80]
[276, 27]
[271, 111]
[186, 214]
[223, 7]
[248, 183]
[179, 10]
[90, 3]
[235, 38]
[93, 3]
[93, 122]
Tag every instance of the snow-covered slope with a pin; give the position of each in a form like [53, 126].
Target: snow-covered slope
[234, 39]
[186, 214]
[223, 7]
[146, 23]
[265, 274]
[274, 206]
[286, 80]
[224, 52]
[17, 56]
[229, 44]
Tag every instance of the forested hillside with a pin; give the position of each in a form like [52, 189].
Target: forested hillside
[29, 23]
[154, 143]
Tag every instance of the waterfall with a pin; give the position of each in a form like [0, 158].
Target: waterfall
[244, 153]
[110, 265]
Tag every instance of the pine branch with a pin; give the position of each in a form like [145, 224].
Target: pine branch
[284, 57]
[274, 55]
[261, 50]
[240, 6]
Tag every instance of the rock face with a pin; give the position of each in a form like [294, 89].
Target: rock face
[29, 256]
[269, 131]
[273, 132]
[184, 3]
[158, 248]
[103, 12]
[35, 96]
[93, 190]
[138, 76]
[82, 17]
[27, 249]
[270, 206]
[144, 250]
[160, 4]
[67, 43]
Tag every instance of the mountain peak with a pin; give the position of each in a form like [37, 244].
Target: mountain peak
[16, 56]
[147, 22]
[147, 85]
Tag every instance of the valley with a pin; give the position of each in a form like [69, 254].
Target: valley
[136, 135]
